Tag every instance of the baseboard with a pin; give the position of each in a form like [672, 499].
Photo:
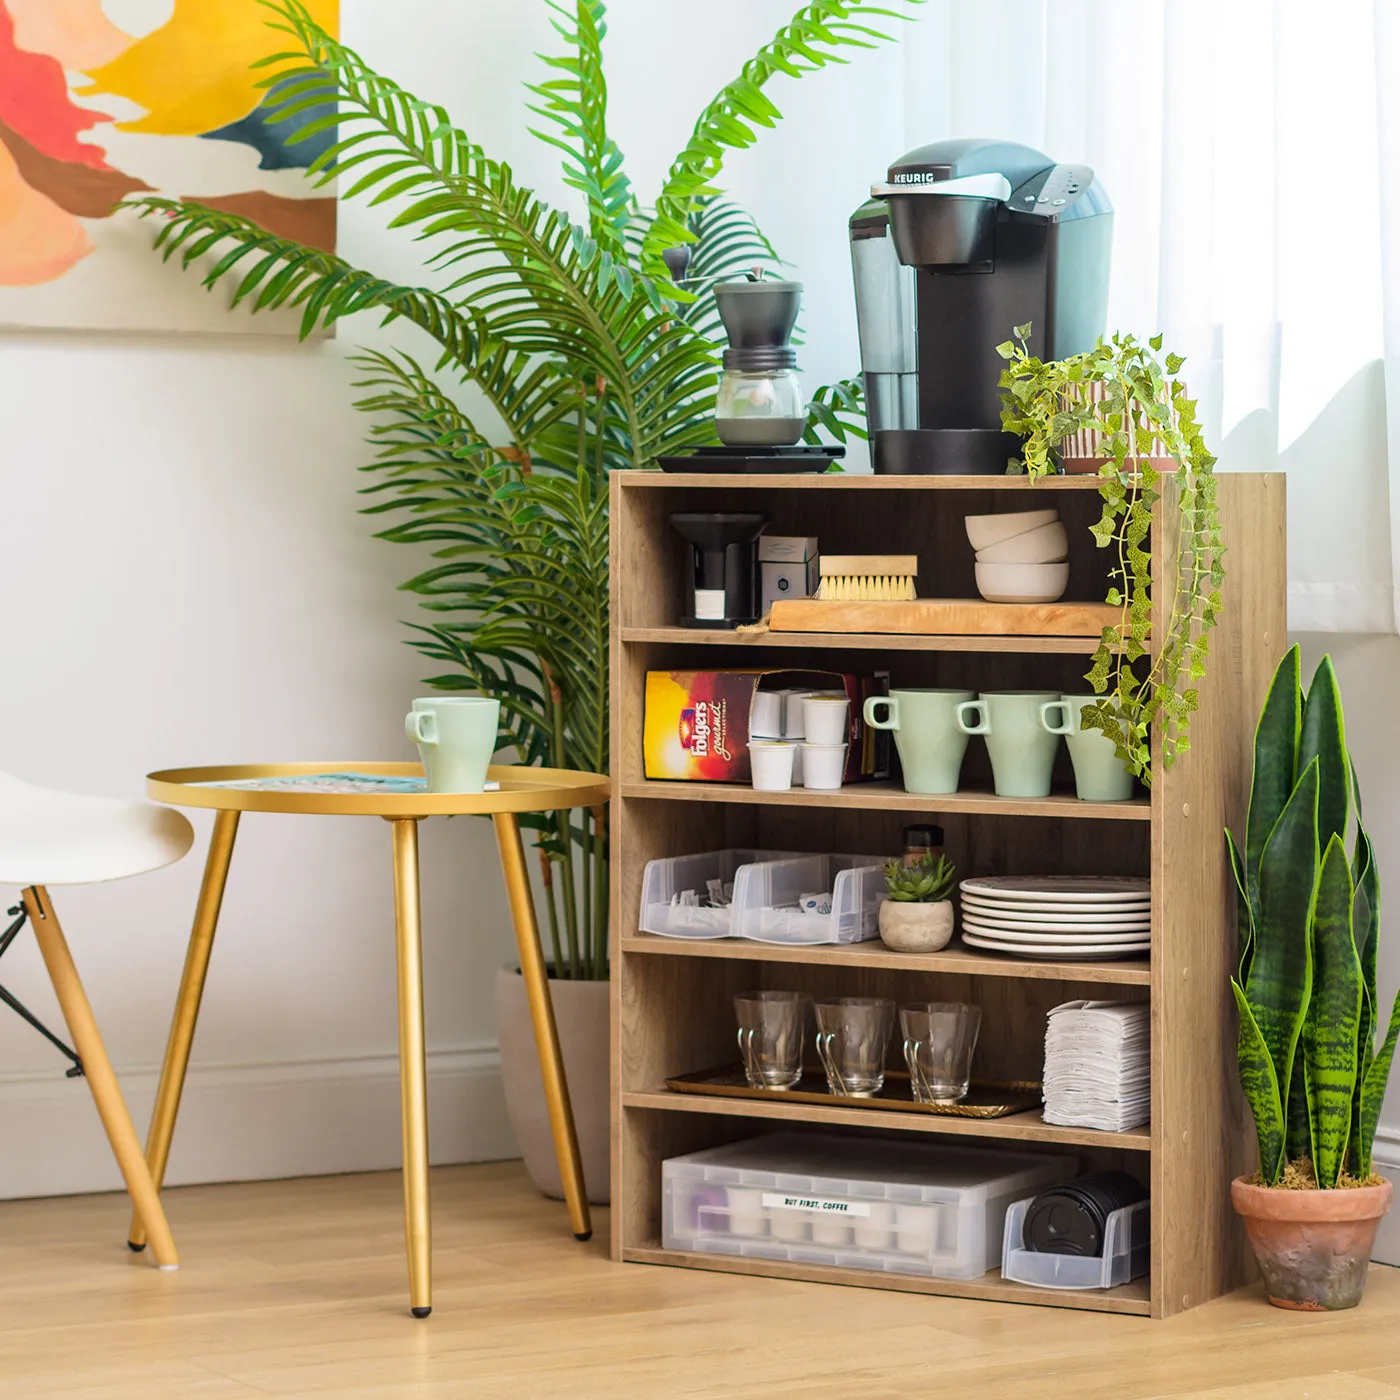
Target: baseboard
[255, 1122]
[1387, 1161]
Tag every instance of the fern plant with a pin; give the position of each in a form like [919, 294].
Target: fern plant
[588, 354]
[1141, 408]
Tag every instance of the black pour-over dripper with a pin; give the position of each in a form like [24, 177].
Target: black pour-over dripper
[723, 587]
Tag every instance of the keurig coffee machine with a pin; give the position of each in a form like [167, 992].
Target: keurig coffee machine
[963, 241]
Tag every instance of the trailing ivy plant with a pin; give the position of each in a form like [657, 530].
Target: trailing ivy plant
[567, 326]
[1141, 414]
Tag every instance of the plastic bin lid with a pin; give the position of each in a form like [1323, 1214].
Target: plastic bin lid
[912, 1164]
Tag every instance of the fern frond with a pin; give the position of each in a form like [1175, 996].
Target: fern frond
[811, 40]
[576, 103]
[286, 273]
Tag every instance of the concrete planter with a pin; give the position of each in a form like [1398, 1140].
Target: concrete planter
[909, 927]
[1312, 1246]
[581, 1013]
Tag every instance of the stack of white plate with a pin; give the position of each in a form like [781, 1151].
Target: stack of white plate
[1058, 916]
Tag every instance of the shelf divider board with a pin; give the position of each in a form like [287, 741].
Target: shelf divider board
[891, 797]
[991, 1287]
[858, 641]
[670, 996]
[873, 953]
[1027, 1126]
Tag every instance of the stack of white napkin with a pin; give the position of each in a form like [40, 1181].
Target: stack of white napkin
[1097, 1065]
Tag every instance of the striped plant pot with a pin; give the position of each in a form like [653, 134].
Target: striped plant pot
[1083, 451]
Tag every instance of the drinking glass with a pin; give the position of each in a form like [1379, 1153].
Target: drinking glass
[939, 1038]
[853, 1034]
[771, 1027]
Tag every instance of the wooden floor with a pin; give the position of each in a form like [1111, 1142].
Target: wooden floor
[296, 1289]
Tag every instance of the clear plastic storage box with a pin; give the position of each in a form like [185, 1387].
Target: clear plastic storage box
[904, 1208]
[663, 879]
[768, 889]
[1125, 1253]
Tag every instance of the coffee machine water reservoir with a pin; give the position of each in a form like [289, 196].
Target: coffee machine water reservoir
[964, 240]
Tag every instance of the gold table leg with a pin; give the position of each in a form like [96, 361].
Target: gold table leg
[413, 1074]
[97, 1070]
[177, 1049]
[556, 1085]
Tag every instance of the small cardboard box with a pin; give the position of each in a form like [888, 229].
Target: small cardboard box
[786, 549]
[695, 724]
[788, 567]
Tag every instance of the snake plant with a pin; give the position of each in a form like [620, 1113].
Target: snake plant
[560, 350]
[1309, 925]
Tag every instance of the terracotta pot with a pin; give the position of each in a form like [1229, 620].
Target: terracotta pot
[910, 927]
[1312, 1246]
[581, 1013]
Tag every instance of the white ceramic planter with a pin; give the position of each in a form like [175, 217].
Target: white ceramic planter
[908, 927]
[581, 1014]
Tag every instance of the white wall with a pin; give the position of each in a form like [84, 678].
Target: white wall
[184, 578]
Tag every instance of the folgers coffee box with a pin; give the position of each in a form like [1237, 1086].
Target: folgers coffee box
[696, 724]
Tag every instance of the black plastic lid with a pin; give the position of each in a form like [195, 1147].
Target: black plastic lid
[756, 359]
[927, 836]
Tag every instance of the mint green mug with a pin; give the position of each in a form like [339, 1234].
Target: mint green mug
[1022, 750]
[1099, 774]
[456, 737]
[926, 733]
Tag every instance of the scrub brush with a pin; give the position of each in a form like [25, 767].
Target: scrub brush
[868, 578]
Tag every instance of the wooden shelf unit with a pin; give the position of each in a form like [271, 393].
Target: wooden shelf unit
[671, 998]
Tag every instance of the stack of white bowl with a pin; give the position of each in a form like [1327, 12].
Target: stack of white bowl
[1021, 557]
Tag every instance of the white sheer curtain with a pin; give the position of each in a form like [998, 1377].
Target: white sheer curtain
[1252, 151]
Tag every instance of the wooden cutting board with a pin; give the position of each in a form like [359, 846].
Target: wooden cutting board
[954, 617]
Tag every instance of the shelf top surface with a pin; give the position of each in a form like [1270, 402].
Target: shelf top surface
[847, 481]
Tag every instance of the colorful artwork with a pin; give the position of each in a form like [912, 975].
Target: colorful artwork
[101, 99]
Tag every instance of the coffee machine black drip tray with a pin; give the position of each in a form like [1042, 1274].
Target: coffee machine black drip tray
[943, 451]
[802, 457]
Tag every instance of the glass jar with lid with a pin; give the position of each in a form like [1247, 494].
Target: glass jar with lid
[760, 401]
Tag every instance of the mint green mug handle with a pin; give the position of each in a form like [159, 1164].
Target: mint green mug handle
[413, 726]
[984, 724]
[1064, 726]
[891, 721]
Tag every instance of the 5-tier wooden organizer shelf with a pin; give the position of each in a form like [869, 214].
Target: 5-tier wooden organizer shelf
[671, 998]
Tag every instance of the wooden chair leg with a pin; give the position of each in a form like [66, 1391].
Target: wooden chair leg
[97, 1070]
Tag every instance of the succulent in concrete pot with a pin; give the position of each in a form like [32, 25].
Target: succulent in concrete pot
[918, 915]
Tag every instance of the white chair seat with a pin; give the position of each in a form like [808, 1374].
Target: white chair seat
[64, 838]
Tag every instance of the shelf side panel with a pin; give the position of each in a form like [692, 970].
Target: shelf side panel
[1202, 1136]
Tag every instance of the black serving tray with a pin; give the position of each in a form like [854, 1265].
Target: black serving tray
[801, 457]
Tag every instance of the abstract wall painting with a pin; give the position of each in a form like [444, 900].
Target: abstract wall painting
[102, 99]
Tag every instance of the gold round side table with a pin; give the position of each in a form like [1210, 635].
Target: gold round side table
[522, 789]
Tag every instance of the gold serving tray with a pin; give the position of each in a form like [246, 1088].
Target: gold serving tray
[986, 1098]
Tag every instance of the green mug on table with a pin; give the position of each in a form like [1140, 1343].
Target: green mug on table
[926, 734]
[456, 737]
[1099, 774]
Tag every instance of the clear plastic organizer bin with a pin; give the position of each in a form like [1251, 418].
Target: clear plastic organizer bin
[664, 878]
[1125, 1253]
[903, 1208]
[766, 899]
[764, 882]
